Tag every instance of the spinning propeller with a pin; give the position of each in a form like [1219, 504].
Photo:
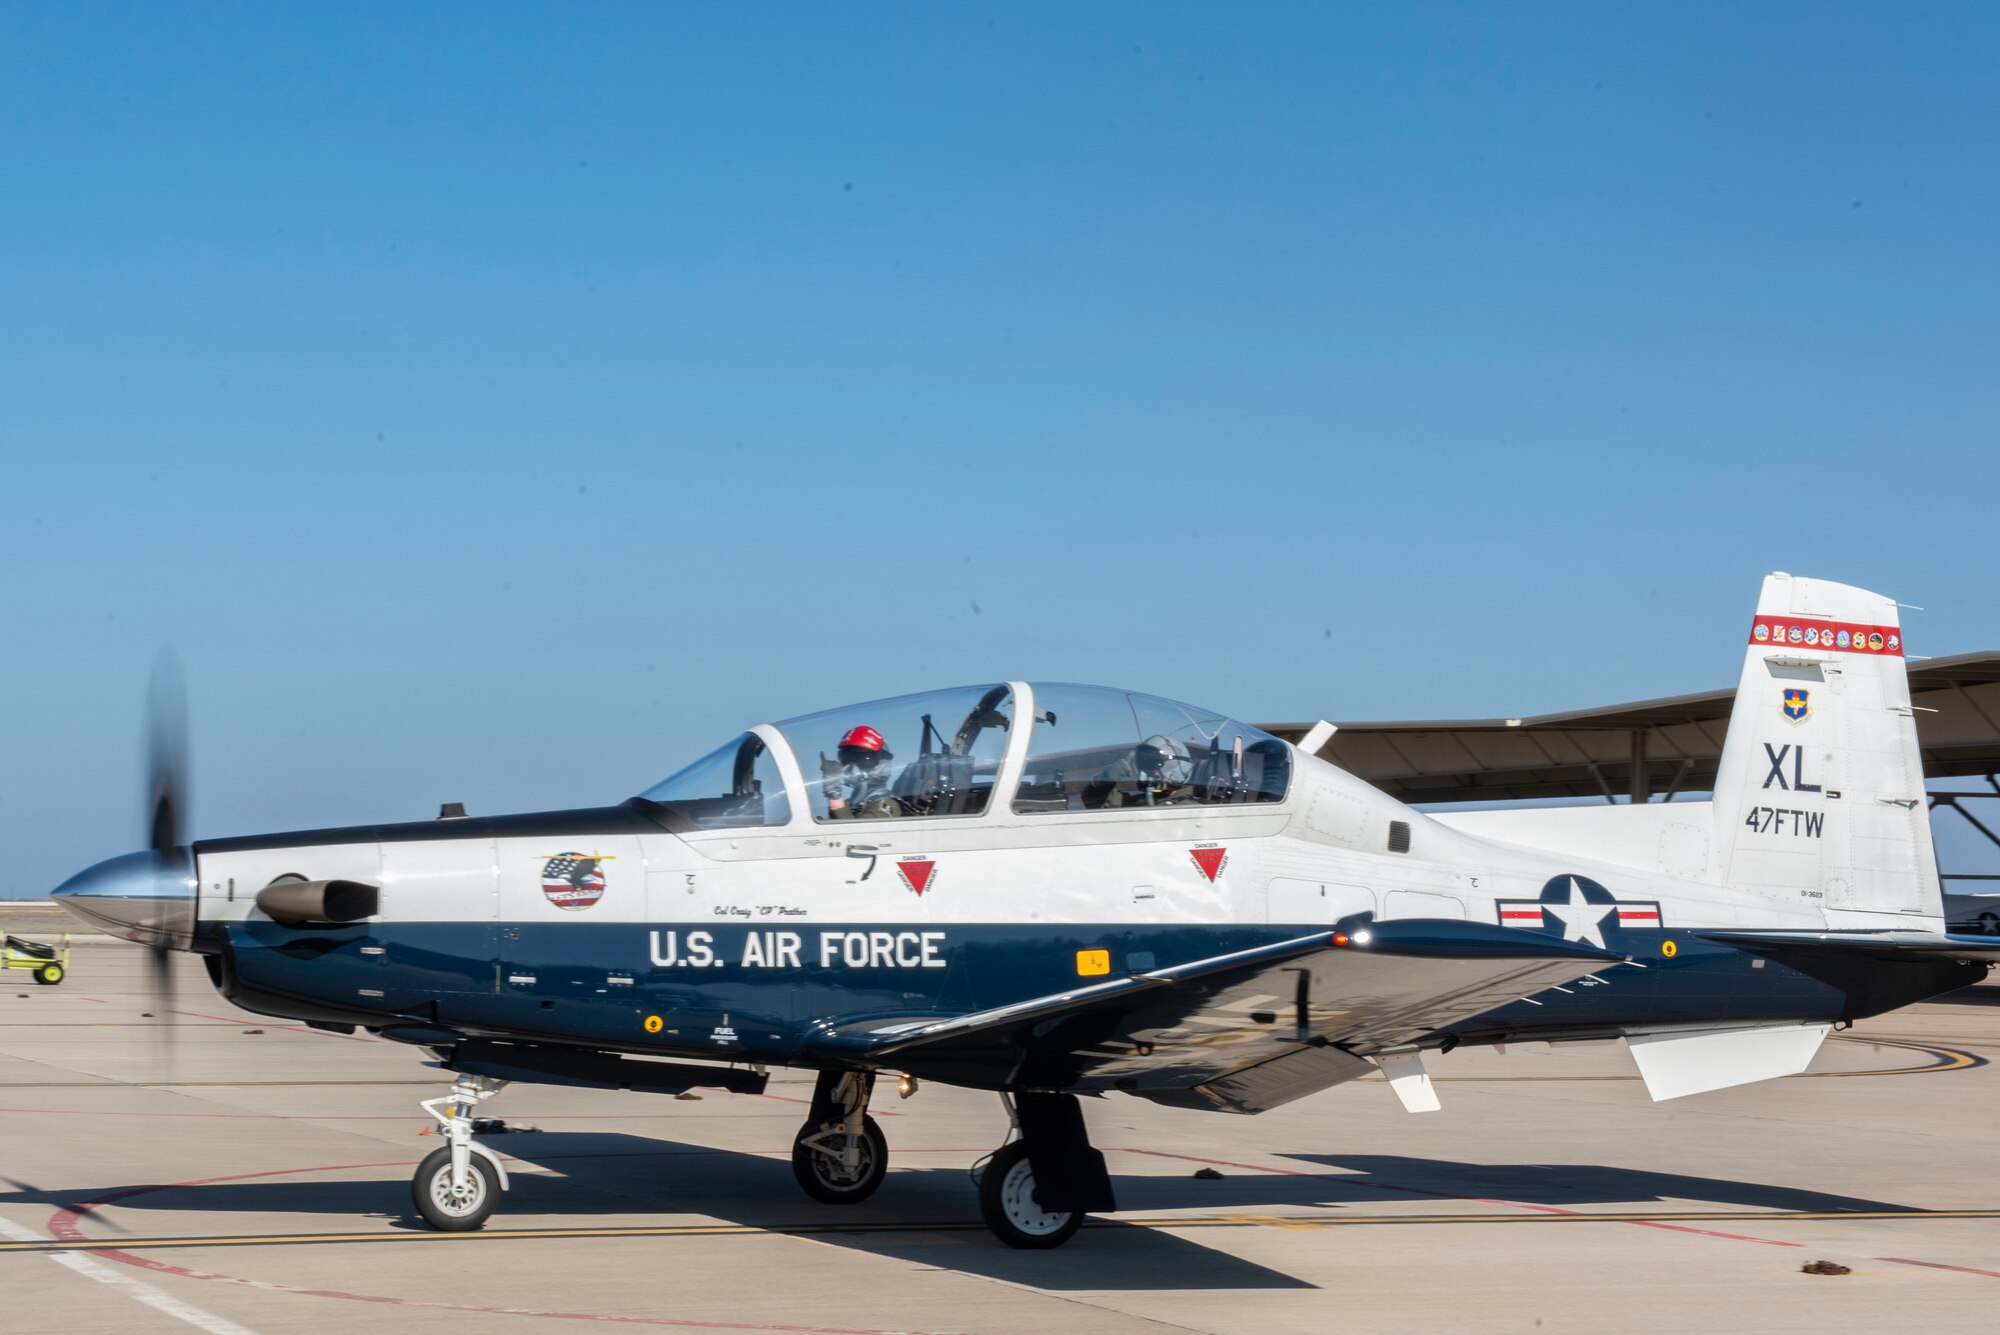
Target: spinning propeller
[149, 897]
[166, 821]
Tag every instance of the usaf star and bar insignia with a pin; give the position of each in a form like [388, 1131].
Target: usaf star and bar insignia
[1582, 908]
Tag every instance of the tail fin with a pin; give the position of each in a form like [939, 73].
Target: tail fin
[1820, 792]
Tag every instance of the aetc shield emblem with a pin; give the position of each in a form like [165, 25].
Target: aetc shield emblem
[573, 881]
[1797, 705]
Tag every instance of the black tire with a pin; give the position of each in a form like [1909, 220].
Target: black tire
[1007, 1202]
[49, 975]
[820, 1176]
[431, 1190]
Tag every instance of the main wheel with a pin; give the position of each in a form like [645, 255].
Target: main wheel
[1007, 1201]
[454, 1211]
[49, 975]
[820, 1171]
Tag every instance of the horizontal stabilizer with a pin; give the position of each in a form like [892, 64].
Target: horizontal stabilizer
[1696, 1061]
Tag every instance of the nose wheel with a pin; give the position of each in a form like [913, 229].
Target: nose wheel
[454, 1207]
[457, 1186]
[840, 1155]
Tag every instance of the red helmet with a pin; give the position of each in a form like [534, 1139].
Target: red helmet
[863, 738]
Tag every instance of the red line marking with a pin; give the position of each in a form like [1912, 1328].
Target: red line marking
[683, 1323]
[1477, 1200]
[1940, 1265]
[1705, 1232]
[63, 1226]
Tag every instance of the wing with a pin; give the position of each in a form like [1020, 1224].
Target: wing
[1241, 1032]
[1895, 947]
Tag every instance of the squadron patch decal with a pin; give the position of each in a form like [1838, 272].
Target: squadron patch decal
[573, 881]
[1836, 635]
[1797, 705]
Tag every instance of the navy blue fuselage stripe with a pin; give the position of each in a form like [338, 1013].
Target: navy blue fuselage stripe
[564, 982]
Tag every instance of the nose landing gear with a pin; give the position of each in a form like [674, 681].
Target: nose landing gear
[458, 1185]
[840, 1155]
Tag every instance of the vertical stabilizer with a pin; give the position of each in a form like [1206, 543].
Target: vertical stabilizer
[1820, 793]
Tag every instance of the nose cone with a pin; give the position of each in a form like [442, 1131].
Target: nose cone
[144, 897]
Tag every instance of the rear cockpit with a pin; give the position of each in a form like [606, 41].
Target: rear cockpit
[961, 753]
[1095, 748]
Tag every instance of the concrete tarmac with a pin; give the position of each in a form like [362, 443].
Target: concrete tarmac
[253, 1176]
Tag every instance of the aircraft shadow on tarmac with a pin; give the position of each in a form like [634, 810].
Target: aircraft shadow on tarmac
[1570, 1186]
[594, 1175]
[1977, 995]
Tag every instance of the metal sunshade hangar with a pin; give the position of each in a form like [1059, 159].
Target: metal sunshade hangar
[1649, 750]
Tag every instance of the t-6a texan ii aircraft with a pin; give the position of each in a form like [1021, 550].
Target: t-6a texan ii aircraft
[1051, 891]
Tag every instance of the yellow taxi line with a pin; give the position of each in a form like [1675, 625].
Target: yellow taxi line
[1166, 1222]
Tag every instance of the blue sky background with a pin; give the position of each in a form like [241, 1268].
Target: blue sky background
[504, 404]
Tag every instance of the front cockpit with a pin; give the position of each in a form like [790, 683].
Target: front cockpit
[964, 752]
[939, 753]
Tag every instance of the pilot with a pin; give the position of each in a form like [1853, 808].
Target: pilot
[1156, 774]
[857, 783]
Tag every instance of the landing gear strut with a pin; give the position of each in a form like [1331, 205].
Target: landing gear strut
[1035, 1191]
[458, 1185]
[840, 1156]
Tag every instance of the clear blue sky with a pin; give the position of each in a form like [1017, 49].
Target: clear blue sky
[505, 403]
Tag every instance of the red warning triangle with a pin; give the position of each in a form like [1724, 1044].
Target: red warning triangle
[1210, 860]
[917, 874]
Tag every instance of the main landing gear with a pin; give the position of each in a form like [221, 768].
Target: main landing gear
[458, 1185]
[1035, 1191]
[840, 1156]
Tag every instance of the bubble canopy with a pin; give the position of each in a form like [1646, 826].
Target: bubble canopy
[941, 753]
[933, 754]
[1095, 748]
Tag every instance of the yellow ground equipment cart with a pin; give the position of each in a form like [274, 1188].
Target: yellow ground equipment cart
[48, 963]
